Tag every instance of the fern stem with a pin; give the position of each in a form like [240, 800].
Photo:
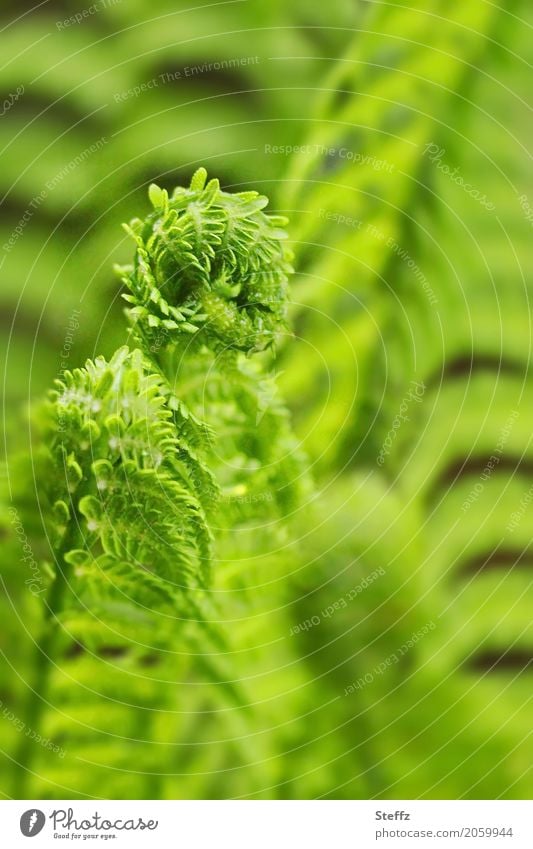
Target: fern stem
[40, 669]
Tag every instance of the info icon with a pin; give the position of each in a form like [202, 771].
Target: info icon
[32, 822]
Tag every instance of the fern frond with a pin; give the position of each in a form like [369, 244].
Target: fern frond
[124, 476]
[137, 449]
[208, 287]
[210, 268]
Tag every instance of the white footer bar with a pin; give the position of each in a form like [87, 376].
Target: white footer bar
[267, 824]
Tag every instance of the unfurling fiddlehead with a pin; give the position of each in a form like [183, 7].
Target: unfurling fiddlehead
[210, 265]
[134, 443]
[129, 479]
[208, 287]
[138, 450]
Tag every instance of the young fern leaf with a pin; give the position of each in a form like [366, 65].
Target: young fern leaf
[209, 265]
[132, 458]
[127, 479]
[208, 287]
[137, 448]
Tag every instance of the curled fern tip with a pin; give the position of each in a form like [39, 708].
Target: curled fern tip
[209, 264]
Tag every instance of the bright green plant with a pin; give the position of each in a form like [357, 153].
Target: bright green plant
[423, 288]
[373, 215]
[143, 452]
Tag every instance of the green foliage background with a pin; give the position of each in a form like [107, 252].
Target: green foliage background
[403, 279]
